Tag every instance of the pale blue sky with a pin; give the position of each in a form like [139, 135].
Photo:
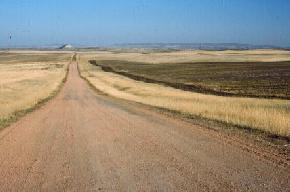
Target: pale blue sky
[102, 22]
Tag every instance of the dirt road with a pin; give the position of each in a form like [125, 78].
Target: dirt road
[81, 141]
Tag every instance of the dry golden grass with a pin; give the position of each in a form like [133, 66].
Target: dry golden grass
[194, 56]
[264, 114]
[27, 78]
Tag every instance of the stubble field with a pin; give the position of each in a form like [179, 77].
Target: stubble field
[28, 78]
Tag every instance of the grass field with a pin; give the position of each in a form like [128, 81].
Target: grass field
[23, 57]
[269, 115]
[150, 56]
[28, 78]
[254, 79]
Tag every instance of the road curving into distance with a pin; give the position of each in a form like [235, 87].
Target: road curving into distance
[83, 141]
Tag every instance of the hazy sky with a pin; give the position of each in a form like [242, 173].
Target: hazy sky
[99, 22]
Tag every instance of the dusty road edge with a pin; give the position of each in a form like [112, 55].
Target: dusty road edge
[247, 141]
[17, 115]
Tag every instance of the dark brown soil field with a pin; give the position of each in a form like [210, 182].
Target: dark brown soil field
[249, 79]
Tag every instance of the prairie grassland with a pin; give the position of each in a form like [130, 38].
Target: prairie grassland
[270, 115]
[27, 78]
[192, 56]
